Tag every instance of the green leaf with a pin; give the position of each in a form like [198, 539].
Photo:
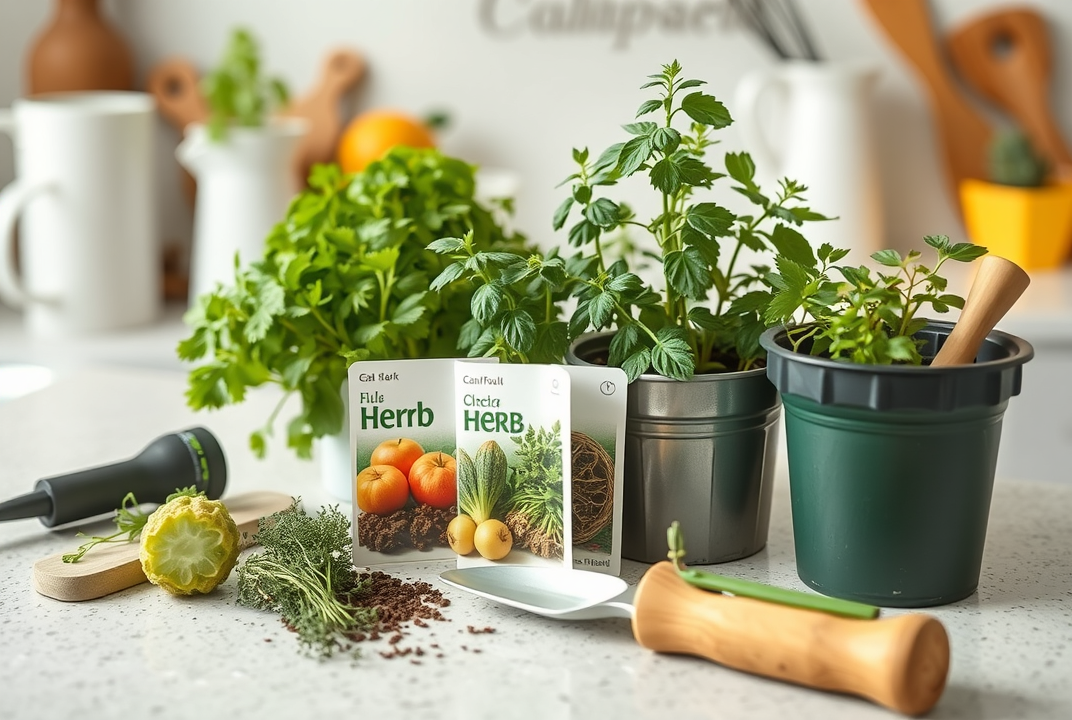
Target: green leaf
[562, 213]
[601, 309]
[741, 168]
[637, 364]
[791, 244]
[889, 258]
[634, 154]
[671, 355]
[710, 219]
[486, 302]
[687, 273]
[666, 139]
[640, 128]
[706, 110]
[583, 233]
[518, 329]
[623, 344]
[694, 172]
[447, 245]
[410, 310]
[649, 106]
[665, 176]
[702, 317]
[450, 273]
[755, 301]
[966, 252]
[602, 212]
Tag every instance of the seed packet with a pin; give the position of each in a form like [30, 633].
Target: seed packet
[597, 460]
[513, 465]
[402, 441]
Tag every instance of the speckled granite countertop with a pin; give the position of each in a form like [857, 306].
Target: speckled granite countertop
[143, 652]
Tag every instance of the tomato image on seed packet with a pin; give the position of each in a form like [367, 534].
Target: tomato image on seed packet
[402, 442]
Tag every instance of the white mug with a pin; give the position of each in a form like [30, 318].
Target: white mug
[85, 203]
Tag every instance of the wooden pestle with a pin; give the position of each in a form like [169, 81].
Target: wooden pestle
[899, 662]
[998, 284]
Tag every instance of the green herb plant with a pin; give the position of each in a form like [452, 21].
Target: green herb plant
[706, 311]
[759, 591]
[535, 497]
[129, 522]
[869, 317]
[236, 91]
[1013, 160]
[306, 573]
[344, 277]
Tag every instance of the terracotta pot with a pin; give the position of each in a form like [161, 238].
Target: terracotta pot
[78, 50]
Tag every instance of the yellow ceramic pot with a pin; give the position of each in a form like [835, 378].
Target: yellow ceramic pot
[1030, 226]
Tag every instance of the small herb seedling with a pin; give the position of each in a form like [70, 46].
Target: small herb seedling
[129, 521]
[705, 313]
[868, 318]
[236, 92]
[759, 591]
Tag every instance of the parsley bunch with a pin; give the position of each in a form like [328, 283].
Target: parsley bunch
[868, 318]
[704, 314]
[344, 277]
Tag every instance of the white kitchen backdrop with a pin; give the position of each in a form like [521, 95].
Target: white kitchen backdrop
[522, 94]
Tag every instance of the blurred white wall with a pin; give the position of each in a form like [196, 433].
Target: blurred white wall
[520, 97]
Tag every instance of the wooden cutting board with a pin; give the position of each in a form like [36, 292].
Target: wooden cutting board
[1005, 56]
[963, 132]
[112, 567]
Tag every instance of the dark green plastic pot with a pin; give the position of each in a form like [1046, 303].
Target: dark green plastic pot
[891, 468]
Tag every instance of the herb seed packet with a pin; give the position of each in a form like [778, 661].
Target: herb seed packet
[402, 441]
[513, 465]
[597, 450]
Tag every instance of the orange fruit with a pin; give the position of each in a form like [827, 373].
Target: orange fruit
[381, 489]
[371, 135]
[398, 452]
[432, 480]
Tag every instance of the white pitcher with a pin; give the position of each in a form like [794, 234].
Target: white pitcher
[819, 117]
[85, 205]
[244, 184]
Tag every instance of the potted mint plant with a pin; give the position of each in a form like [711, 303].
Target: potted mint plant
[891, 460]
[702, 416]
[343, 277]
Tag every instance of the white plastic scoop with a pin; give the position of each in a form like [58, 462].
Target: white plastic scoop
[551, 592]
[899, 662]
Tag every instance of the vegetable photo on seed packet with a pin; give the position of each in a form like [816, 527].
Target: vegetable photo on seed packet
[402, 441]
[513, 465]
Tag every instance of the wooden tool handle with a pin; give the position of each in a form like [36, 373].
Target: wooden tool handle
[900, 662]
[998, 284]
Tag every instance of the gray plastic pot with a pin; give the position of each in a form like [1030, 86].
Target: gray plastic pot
[891, 467]
[700, 452]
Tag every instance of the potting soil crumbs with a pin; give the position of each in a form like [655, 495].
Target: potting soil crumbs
[400, 605]
[422, 527]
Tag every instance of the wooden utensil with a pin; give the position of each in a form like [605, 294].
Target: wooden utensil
[175, 85]
[341, 71]
[1005, 56]
[899, 662]
[997, 286]
[109, 568]
[963, 132]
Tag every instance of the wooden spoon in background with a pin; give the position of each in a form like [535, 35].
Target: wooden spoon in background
[175, 85]
[1005, 56]
[998, 284]
[341, 70]
[963, 132]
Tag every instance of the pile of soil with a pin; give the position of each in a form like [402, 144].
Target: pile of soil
[422, 527]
